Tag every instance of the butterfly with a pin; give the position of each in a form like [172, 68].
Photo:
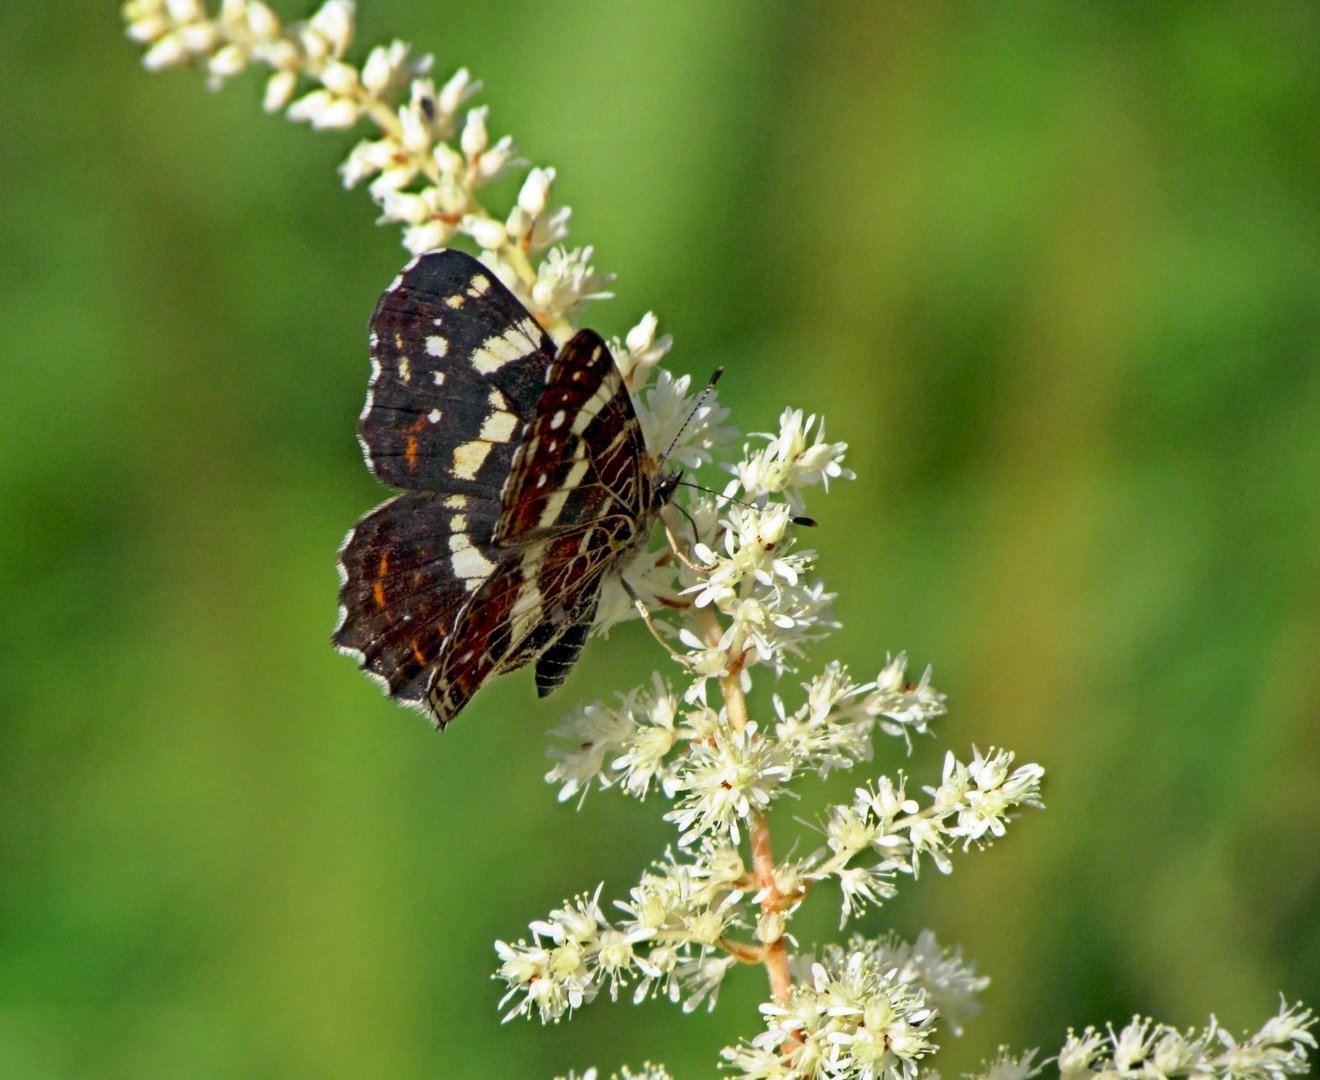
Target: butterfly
[525, 481]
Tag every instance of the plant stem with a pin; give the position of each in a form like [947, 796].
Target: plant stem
[763, 862]
[775, 955]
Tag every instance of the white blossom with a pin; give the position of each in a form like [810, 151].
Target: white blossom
[851, 1018]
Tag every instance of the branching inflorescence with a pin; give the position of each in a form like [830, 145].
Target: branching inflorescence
[733, 596]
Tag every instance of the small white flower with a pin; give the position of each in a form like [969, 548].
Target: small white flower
[168, 51]
[459, 88]
[475, 138]
[280, 89]
[592, 734]
[381, 74]
[334, 22]
[262, 20]
[534, 195]
[339, 78]
[640, 351]
[725, 780]
[324, 111]
[565, 281]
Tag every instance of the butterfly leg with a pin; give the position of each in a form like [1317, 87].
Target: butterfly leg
[674, 546]
[650, 625]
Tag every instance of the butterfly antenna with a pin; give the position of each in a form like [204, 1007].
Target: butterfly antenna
[797, 519]
[710, 385]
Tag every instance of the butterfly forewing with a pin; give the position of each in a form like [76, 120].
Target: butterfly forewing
[458, 366]
[583, 456]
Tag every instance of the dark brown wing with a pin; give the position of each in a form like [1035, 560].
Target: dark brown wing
[408, 569]
[538, 603]
[458, 369]
[583, 456]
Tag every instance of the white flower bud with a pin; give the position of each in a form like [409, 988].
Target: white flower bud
[185, 11]
[324, 111]
[280, 54]
[427, 237]
[475, 139]
[334, 22]
[199, 38]
[383, 64]
[147, 29]
[314, 45]
[405, 206]
[167, 52]
[488, 233]
[535, 193]
[280, 88]
[262, 21]
[340, 78]
[770, 926]
[494, 160]
[454, 92]
[642, 335]
[448, 160]
[230, 60]
[415, 133]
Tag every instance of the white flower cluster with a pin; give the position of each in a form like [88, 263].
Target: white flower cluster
[721, 776]
[852, 1018]
[670, 940]
[1144, 1048]
[971, 805]
[647, 1072]
[430, 157]
[789, 461]
[736, 594]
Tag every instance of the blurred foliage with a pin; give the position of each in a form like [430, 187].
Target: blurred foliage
[1051, 270]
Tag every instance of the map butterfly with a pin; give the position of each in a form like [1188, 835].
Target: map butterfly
[525, 480]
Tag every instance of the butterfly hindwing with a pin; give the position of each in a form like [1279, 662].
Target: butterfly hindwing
[543, 593]
[409, 568]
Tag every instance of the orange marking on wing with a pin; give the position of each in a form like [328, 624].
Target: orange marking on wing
[421, 657]
[378, 590]
[410, 452]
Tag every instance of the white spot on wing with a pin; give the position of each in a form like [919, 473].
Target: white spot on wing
[557, 421]
[456, 502]
[405, 368]
[591, 408]
[499, 350]
[554, 503]
[433, 416]
[437, 346]
[438, 377]
[499, 427]
[469, 457]
[469, 563]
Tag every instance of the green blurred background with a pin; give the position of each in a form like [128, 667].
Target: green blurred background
[1050, 269]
